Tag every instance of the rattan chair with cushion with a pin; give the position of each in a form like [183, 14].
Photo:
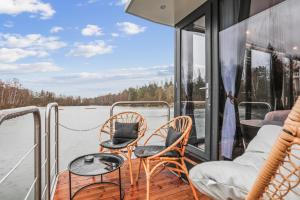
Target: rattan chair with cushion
[280, 175]
[124, 130]
[176, 134]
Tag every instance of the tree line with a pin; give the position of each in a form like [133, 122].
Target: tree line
[13, 94]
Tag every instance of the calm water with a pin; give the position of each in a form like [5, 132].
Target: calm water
[16, 138]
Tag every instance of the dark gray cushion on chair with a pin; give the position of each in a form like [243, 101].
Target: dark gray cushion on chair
[147, 151]
[110, 145]
[125, 132]
[172, 136]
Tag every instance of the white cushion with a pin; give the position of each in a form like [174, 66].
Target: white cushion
[233, 179]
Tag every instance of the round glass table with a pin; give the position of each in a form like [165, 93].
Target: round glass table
[92, 165]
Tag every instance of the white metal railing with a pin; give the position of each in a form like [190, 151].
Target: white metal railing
[18, 112]
[48, 191]
[122, 103]
[49, 187]
[256, 103]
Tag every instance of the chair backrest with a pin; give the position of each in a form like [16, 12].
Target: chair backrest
[125, 117]
[182, 124]
[280, 174]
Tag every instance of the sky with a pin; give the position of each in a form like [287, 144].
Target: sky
[81, 47]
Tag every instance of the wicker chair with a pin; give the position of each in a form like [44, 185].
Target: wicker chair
[160, 156]
[281, 172]
[125, 149]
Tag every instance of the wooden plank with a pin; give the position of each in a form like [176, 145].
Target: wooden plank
[164, 186]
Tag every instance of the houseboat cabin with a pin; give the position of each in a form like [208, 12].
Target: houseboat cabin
[236, 61]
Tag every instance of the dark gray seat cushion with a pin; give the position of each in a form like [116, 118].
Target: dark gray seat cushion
[110, 145]
[147, 151]
[172, 136]
[124, 132]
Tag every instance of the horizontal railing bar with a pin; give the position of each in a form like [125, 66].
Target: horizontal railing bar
[18, 163]
[54, 165]
[151, 116]
[256, 102]
[44, 191]
[30, 189]
[16, 112]
[43, 165]
[141, 102]
[121, 103]
[53, 184]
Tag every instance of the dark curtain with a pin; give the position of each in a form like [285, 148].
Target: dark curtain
[233, 46]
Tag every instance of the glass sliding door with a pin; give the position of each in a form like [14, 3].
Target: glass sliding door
[259, 62]
[195, 83]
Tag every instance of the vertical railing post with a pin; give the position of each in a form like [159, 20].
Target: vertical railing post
[57, 139]
[48, 147]
[37, 154]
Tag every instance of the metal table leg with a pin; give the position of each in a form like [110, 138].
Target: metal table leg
[120, 183]
[70, 185]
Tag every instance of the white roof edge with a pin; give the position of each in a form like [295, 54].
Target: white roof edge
[130, 3]
[150, 10]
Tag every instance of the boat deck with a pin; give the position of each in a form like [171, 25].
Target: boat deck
[164, 186]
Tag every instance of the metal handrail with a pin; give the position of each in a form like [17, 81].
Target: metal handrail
[18, 112]
[49, 186]
[141, 103]
[257, 103]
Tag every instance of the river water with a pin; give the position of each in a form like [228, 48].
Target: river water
[16, 138]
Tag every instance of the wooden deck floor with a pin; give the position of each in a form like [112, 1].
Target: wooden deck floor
[164, 186]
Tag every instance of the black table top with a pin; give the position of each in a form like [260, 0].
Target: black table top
[103, 163]
[259, 123]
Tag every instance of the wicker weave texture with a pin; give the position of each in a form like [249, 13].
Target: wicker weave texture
[280, 174]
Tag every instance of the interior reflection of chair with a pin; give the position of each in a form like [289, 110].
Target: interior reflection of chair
[269, 169]
[125, 130]
[176, 134]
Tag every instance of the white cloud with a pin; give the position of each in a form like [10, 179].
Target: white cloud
[56, 29]
[14, 47]
[13, 55]
[80, 4]
[121, 2]
[91, 30]
[115, 35]
[28, 68]
[32, 41]
[8, 24]
[92, 1]
[130, 28]
[15, 7]
[91, 49]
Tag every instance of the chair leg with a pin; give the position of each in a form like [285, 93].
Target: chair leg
[187, 176]
[148, 176]
[179, 174]
[139, 170]
[148, 187]
[130, 164]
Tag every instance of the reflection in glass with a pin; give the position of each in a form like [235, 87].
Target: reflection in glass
[193, 79]
[260, 59]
